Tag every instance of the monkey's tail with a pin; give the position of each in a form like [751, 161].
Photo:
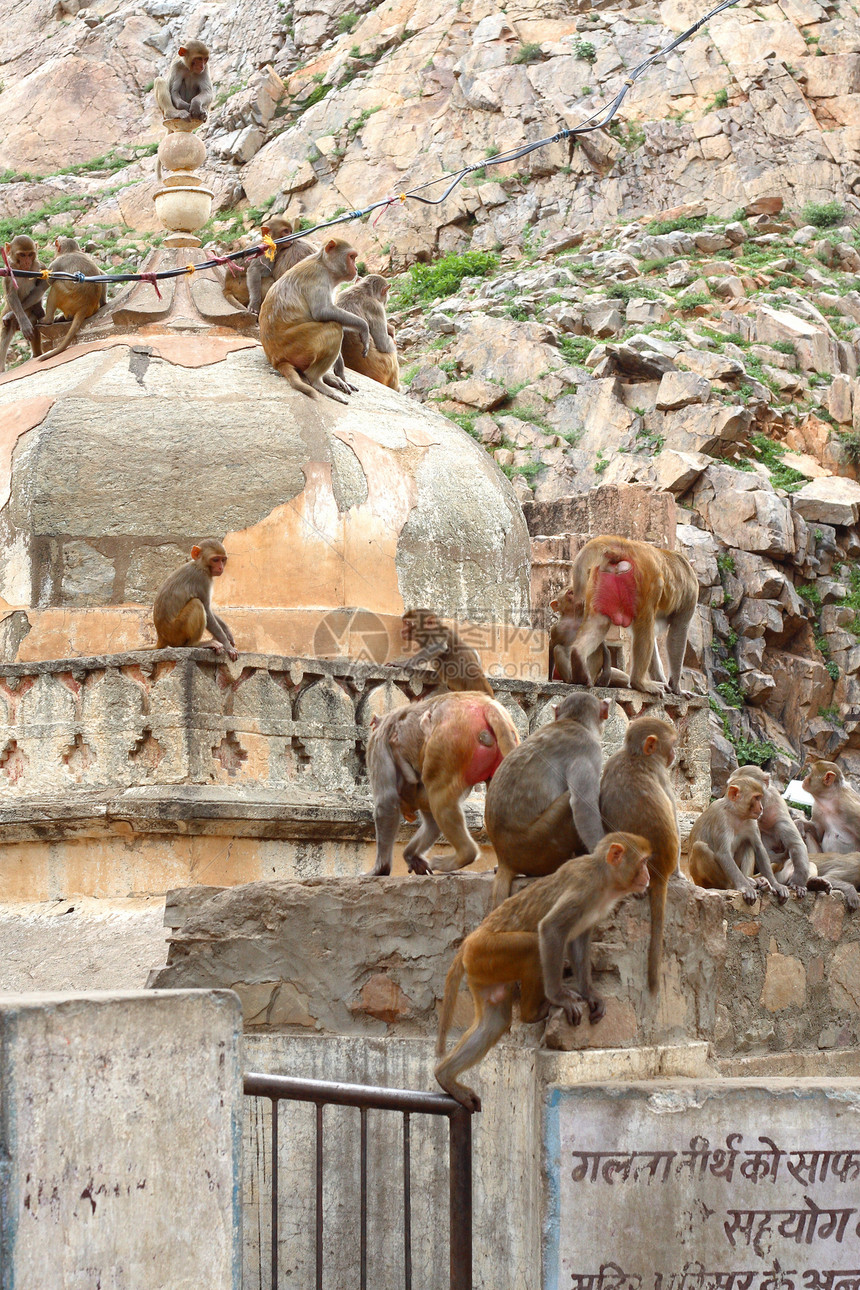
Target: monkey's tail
[657, 898]
[452, 988]
[505, 737]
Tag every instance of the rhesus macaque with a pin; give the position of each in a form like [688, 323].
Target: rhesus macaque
[23, 304]
[367, 299]
[542, 803]
[457, 666]
[726, 847]
[522, 943]
[427, 757]
[263, 273]
[187, 93]
[636, 794]
[835, 822]
[564, 662]
[634, 584]
[781, 836]
[183, 603]
[75, 300]
[301, 327]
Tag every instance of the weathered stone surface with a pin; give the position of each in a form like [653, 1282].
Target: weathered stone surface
[78, 1072]
[680, 389]
[743, 512]
[610, 508]
[832, 500]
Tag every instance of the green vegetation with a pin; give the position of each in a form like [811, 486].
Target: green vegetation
[347, 21]
[694, 300]
[585, 50]
[824, 214]
[850, 440]
[770, 454]
[530, 53]
[576, 348]
[721, 99]
[685, 223]
[749, 752]
[601, 463]
[109, 163]
[433, 281]
[831, 714]
[726, 562]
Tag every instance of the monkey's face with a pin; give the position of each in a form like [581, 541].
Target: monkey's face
[25, 259]
[351, 258]
[216, 565]
[642, 876]
[754, 806]
[197, 64]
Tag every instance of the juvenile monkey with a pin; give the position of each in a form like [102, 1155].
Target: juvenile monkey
[564, 662]
[523, 942]
[75, 300]
[183, 604]
[726, 846]
[187, 93]
[636, 793]
[427, 757]
[367, 299]
[457, 666]
[839, 872]
[23, 304]
[301, 327]
[836, 810]
[263, 273]
[636, 585]
[781, 836]
[542, 803]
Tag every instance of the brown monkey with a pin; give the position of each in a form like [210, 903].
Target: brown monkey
[726, 847]
[187, 93]
[564, 662]
[457, 666]
[263, 273]
[542, 803]
[75, 300]
[367, 299]
[781, 836]
[636, 793]
[839, 872]
[836, 810]
[427, 757]
[523, 943]
[301, 327]
[24, 301]
[183, 604]
[634, 584]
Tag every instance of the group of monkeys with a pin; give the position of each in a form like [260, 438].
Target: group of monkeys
[308, 336]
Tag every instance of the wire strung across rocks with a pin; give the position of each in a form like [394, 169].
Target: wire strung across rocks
[598, 120]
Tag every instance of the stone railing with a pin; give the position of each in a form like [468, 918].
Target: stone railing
[291, 726]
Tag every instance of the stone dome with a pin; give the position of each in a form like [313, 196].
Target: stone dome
[118, 455]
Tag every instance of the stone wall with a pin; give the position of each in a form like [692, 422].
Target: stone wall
[133, 773]
[748, 979]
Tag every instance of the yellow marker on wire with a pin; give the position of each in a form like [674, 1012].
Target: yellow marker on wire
[271, 248]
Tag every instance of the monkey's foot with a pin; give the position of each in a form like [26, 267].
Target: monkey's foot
[818, 884]
[213, 645]
[380, 870]
[330, 394]
[462, 1093]
[781, 892]
[798, 888]
[417, 864]
[648, 687]
[336, 383]
[750, 895]
[596, 1008]
[571, 1004]
[451, 864]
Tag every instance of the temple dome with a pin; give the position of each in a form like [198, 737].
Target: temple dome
[119, 454]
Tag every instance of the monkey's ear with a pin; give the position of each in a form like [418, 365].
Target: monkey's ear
[615, 854]
[8, 248]
[195, 553]
[374, 721]
[553, 604]
[182, 51]
[829, 778]
[604, 710]
[57, 243]
[650, 745]
[732, 792]
[331, 245]
[265, 228]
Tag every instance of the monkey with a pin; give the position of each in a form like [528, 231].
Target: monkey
[367, 299]
[75, 300]
[542, 803]
[564, 663]
[263, 273]
[183, 603]
[781, 836]
[633, 584]
[24, 301]
[636, 793]
[726, 847]
[186, 95]
[457, 666]
[839, 872]
[301, 327]
[523, 943]
[427, 757]
[835, 824]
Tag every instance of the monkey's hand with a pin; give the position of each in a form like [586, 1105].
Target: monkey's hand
[365, 340]
[232, 653]
[798, 888]
[781, 892]
[596, 1008]
[571, 1004]
[27, 328]
[750, 893]
[417, 864]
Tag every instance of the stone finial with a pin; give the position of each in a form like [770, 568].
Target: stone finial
[183, 203]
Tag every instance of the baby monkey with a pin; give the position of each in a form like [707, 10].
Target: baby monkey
[521, 946]
[183, 605]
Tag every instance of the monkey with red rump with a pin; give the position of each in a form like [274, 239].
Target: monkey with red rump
[183, 604]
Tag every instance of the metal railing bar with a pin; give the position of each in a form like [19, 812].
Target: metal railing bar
[407, 1203]
[333, 1092]
[275, 1105]
[363, 1239]
[319, 1213]
[460, 1198]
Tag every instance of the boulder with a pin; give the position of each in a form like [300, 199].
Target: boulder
[680, 389]
[744, 512]
[831, 500]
